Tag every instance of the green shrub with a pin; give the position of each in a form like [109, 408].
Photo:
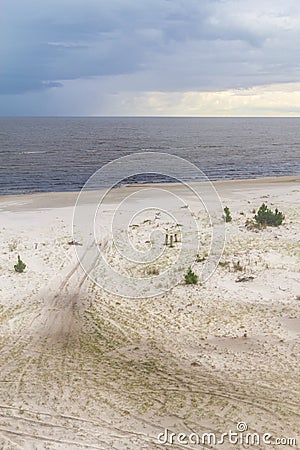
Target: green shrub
[20, 266]
[191, 277]
[228, 217]
[266, 217]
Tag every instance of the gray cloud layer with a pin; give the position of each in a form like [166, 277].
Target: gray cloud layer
[162, 45]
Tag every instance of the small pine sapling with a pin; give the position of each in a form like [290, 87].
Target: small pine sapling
[20, 266]
[228, 217]
[191, 277]
[266, 217]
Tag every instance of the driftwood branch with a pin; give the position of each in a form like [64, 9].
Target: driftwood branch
[244, 278]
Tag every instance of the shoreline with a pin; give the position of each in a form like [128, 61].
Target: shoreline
[60, 199]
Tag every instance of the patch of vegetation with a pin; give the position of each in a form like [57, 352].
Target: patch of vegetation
[190, 277]
[200, 258]
[153, 271]
[266, 217]
[20, 266]
[232, 266]
[12, 245]
[224, 263]
[237, 267]
[250, 224]
[227, 216]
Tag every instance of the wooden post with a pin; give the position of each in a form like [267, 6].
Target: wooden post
[171, 241]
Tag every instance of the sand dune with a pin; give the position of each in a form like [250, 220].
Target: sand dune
[82, 368]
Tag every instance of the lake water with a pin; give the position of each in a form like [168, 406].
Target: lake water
[60, 154]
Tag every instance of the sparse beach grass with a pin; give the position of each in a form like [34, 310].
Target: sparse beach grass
[79, 365]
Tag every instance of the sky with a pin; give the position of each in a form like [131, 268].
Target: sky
[150, 58]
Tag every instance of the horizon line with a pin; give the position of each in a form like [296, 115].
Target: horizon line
[141, 117]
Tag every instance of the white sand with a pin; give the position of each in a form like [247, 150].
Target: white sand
[81, 368]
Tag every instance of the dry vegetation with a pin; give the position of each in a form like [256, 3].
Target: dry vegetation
[81, 368]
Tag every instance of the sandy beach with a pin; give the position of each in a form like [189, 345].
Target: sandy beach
[82, 368]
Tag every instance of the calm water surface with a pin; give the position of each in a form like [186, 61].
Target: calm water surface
[59, 154]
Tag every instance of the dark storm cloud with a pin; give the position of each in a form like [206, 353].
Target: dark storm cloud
[164, 44]
[67, 41]
[41, 44]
